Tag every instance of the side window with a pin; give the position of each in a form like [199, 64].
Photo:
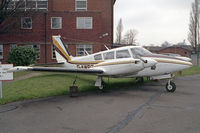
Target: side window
[98, 57]
[108, 55]
[123, 54]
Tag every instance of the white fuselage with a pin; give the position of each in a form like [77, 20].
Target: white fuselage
[115, 63]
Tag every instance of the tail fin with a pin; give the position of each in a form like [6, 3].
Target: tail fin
[61, 48]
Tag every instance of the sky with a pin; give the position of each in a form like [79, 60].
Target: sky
[156, 21]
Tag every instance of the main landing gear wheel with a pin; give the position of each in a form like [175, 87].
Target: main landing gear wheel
[170, 86]
[103, 85]
[140, 80]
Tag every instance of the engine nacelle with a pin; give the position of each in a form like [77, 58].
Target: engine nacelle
[120, 67]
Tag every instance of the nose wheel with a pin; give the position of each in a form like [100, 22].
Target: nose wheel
[100, 83]
[170, 86]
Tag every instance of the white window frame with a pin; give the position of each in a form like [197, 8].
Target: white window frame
[14, 2]
[1, 50]
[84, 46]
[22, 20]
[80, 9]
[60, 25]
[81, 23]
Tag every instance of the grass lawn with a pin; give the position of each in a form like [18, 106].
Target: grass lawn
[53, 84]
[191, 71]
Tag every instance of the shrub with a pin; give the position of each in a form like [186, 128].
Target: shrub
[22, 56]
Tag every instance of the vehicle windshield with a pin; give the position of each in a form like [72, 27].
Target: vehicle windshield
[140, 51]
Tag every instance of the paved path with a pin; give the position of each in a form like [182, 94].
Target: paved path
[23, 77]
[140, 109]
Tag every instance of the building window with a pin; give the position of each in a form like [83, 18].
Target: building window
[1, 51]
[56, 23]
[26, 23]
[13, 46]
[28, 4]
[81, 5]
[36, 48]
[186, 53]
[53, 53]
[42, 4]
[84, 22]
[82, 50]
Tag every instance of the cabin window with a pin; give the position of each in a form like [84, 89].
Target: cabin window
[83, 49]
[98, 57]
[108, 55]
[123, 54]
[140, 52]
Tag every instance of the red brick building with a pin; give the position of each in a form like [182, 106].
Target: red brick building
[184, 51]
[85, 25]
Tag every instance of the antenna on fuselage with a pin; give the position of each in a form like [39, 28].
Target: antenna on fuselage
[106, 47]
[86, 52]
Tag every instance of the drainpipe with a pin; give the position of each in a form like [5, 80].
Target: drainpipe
[45, 38]
[112, 17]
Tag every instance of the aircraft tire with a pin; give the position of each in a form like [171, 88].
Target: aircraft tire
[103, 85]
[140, 80]
[171, 87]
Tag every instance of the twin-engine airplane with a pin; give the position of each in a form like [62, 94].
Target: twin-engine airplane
[128, 61]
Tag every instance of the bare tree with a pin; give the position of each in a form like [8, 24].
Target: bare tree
[9, 8]
[119, 32]
[12, 10]
[193, 36]
[130, 37]
[166, 44]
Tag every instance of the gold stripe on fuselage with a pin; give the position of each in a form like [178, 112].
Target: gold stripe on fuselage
[176, 62]
[114, 63]
[91, 62]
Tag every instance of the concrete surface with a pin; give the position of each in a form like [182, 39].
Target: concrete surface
[139, 109]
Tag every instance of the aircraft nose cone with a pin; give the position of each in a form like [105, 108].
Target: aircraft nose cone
[150, 63]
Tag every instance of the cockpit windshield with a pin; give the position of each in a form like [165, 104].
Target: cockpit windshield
[140, 51]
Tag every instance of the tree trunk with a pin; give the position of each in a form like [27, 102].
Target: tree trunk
[197, 58]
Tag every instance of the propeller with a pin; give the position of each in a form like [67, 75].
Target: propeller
[139, 57]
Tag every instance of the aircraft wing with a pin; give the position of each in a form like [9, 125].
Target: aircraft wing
[56, 69]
